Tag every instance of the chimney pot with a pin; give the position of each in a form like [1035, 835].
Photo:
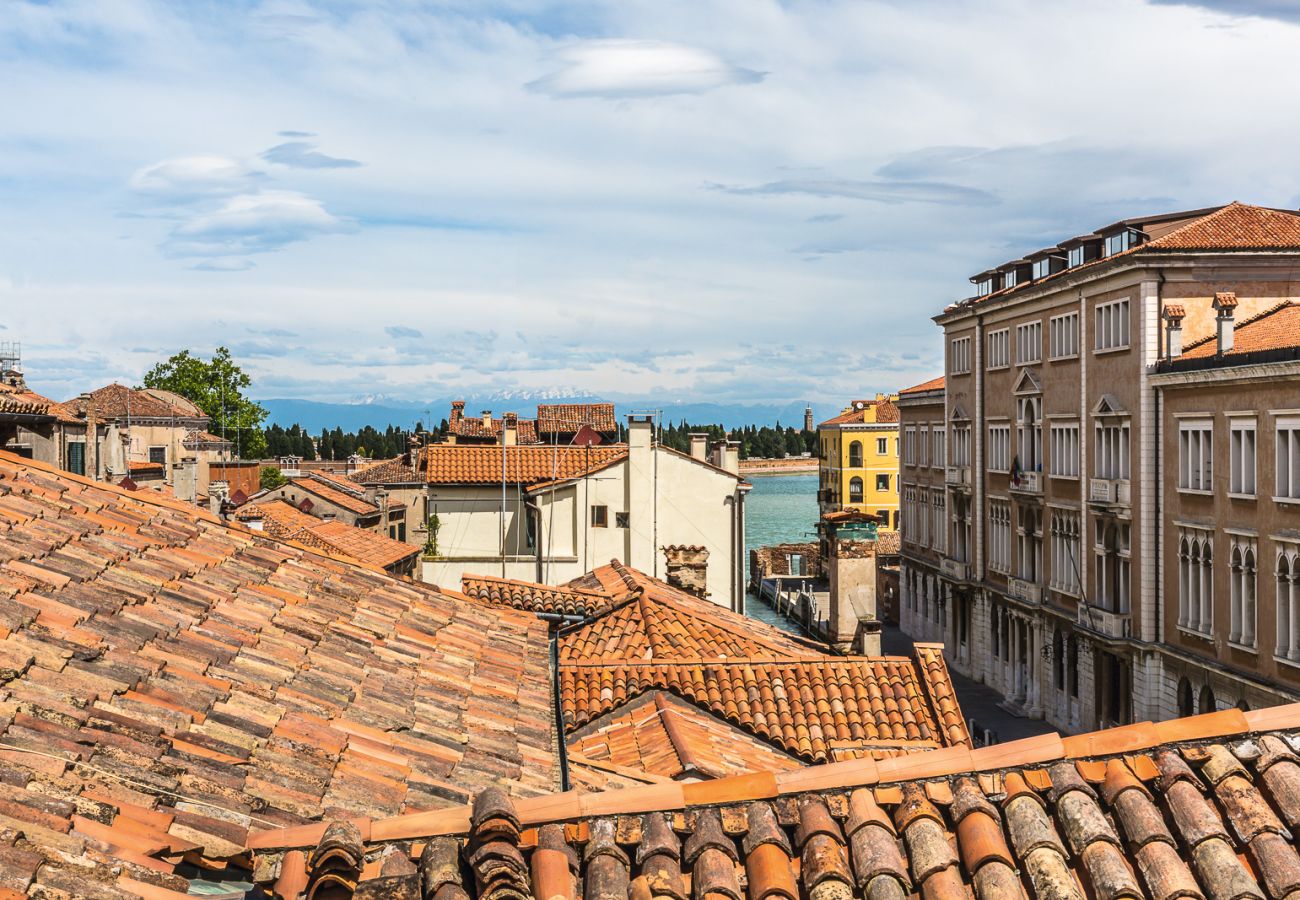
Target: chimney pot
[1225, 304]
[700, 446]
[487, 418]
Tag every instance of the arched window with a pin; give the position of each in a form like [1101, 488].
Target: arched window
[855, 455]
[1186, 702]
[855, 490]
[1207, 700]
[1288, 606]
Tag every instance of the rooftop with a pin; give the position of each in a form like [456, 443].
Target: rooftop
[934, 384]
[880, 410]
[117, 401]
[1276, 328]
[525, 465]
[285, 521]
[566, 418]
[331, 489]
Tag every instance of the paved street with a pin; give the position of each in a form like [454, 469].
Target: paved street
[978, 701]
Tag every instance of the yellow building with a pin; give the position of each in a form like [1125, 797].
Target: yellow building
[858, 466]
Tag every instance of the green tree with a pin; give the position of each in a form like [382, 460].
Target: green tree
[216, 386]
[271, 478]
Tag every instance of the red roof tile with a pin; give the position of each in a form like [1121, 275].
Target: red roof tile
[538, 598]
[117, 401]
[568, 418]
[328, 489]
[934, 384]
[472, 464]
[390, 471]
[285, 521]
[865, 411]
[1276, 328]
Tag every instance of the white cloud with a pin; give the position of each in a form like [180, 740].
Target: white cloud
[626, 68]
[188, 178]
[253, 223]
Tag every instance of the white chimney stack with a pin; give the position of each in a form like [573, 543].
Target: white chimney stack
[1225, 304]
[699, 446]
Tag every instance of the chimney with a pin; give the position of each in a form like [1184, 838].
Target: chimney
[1225, 304]
[487, 420]
[457, 410]
[640, 432]
[87, 402]
[699, 446]
[1173, 316]
[731, 457]
[381, 500]
[687, 569]
[510, 429]
[412, 450]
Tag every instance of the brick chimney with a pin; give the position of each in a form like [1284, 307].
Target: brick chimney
[1173, 316]
[510, 429]
[699, 446]
[687, 568]
[457, 411]
[1225, 304]
[92, 435]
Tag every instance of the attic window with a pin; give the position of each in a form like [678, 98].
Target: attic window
[1009, 280]
[1124, 240]
[984, 288]
[1076, 256]
[1045, 266]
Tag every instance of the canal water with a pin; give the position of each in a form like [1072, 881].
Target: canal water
[781, 509]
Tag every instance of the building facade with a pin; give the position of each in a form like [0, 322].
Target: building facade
[858, 460]
[1050, 551]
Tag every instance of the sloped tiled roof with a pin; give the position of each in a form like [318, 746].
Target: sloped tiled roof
[870, 411]
[537, 598]
[116, 401]
[285, 521]
[1193, 808]
[390, 471]
[472, 427]
[526, 465]
[566, 418]
[18, 400]
[170, 682]
[327, 490]
[199, 436]
[934, 384]
[1275, 328]
[665, 736]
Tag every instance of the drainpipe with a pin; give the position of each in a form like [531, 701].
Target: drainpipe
[559, 713]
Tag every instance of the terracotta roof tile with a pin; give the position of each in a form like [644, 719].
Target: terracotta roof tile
[865, 411]
[565, 418]
[934, 384]
[472, 427]
[390, 471]
[529, 466]
[567, 601]
[172, 682]
[1221, 828]
[117, 401]
[1275, 328]
[328, 489]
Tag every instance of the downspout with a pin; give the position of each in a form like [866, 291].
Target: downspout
[1156, 449]
[562, 748]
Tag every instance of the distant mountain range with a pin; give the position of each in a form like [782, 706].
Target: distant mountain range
[382, 412]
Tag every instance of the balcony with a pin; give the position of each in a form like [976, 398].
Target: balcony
[1103, 621]
[1107, 492]
[1025, 591]
[954, 570]
[1030, 483]
[957, 476]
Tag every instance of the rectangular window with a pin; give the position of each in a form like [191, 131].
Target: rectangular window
[1242, 452]
[959, 356]
[999, 455]
[1111, 551]
[961, 445]
[938, 521]
[1118, 243]
[882, 482]
[999, 349]
[1063, 336]
[1064, 451]
[1065, 551]
[1029, 343]
[882, 446]
[1042, 267]
[77, 457]
[1029, 537]
[1009, 278]
[600, 517]
[909, 446]
[1076, 256]
[1111, 325]
[158, 455]
[622, 520]
[1110, 455]
[984, 288]
[1288, 458]
[1195, 456]
[940, 456]
[1000, 536]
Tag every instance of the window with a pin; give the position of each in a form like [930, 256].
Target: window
[883, 516]
[855, 490]
[1064, 450]
[959, 359]
[1029, 548]
[622, 520]
[1029, 433]
[1065, 551]
[984, 288]
[1196, 579]
[909, 446]
[794, 564]
[1000, 536]
[961, 445]
[1063, 336]
[1241, 592]
[77, 457]
[1009, 278]
[600, 517]
[1110, 455]
[1241, 443]
[960, 528]
[1112, 325]
[1118, 243]
[1111, 548]
[999, 455]
[1042, 267]
[1288, 601]
[923, 447]
[855, 455]
[1075, 257]
[938, 525]
[882, 446]
[940, 456]
[882, 482]
[1029, 343]
[1288, 458]
[158, 455]
[1195, 455]
[999, 349]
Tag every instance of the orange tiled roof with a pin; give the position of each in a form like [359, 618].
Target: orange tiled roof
[1276, 328]
[871, 411]
[934, 384]
[144, 467]
[662, 735]
[17, 400]
[566, 418]
[526, 465]
[327, 489]
[117, 401]
[888, 543]
[1197, 807]
[567, 601]
[199, 436]
[171, 682]
[285, 521]
[390, 471]
[472, 427]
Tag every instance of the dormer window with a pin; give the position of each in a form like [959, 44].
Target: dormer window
[984, 288]
[1009, 280]
[1047, 265]
[1076, 256]
[1124, 240]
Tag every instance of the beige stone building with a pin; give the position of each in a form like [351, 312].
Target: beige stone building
[1049, 531]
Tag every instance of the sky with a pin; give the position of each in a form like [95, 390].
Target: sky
[714, 200]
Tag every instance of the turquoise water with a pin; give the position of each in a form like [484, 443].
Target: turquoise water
[781, 509]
